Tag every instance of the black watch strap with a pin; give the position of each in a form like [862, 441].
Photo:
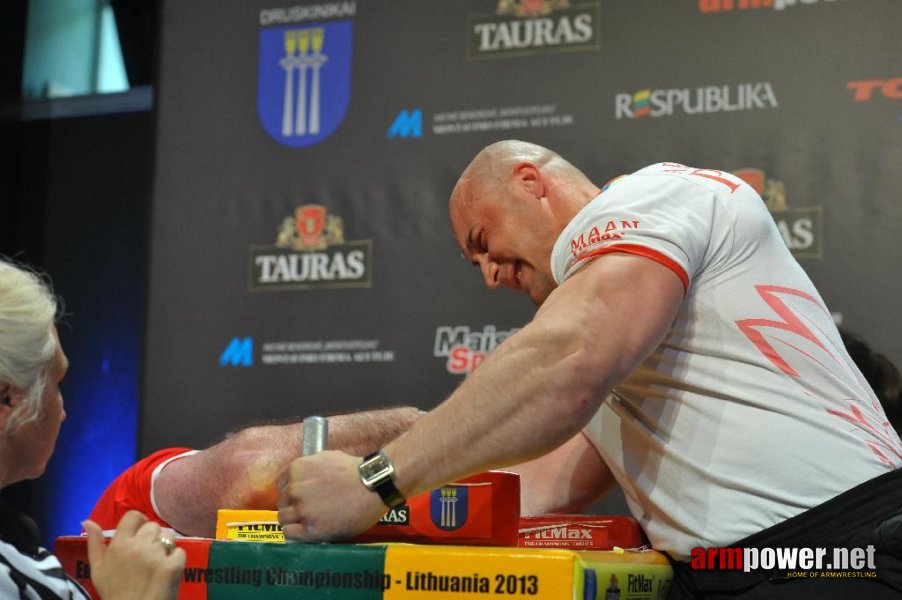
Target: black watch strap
[377, 474]
[391, 495]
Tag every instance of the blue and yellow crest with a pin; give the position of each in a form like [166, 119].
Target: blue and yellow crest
[304, 81]
[448, 507]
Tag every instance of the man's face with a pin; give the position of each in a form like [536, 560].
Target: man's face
[510, 239]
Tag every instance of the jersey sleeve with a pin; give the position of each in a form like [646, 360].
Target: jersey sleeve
[652, 214]
[133, 490]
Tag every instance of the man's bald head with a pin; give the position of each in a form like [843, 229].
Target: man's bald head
[494, 166]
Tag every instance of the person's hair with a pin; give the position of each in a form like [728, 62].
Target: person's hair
[28, 310]
[880, 373]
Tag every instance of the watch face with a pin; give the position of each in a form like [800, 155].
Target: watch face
[375, 469]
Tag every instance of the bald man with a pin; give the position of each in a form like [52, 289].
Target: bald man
[736, 416]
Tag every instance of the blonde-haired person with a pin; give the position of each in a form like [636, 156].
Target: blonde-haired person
[136, 564]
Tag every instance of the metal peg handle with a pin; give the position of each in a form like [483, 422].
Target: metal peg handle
[316, 435]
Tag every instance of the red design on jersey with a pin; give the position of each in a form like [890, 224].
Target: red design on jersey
[883, 438]
[882, 432]
[791, 323]
[712, 174]
[639, 251]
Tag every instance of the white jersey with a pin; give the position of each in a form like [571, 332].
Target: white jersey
[750, 411]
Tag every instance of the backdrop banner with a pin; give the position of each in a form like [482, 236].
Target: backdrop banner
[302, 261]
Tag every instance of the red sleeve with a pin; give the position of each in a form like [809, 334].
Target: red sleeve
[131, 491]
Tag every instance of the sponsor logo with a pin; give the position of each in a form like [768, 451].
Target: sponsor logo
[801, 228]
[448, 507]
[318, 352]
[310, 252]
[239, 353]
[399, 515]
[865, 90]
[561, 533]
[304, 74]
[611, 232]
[701, 100]
[464, 349]
[712, 6]
[525, 27]
[408, 124]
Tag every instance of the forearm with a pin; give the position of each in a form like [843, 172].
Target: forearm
[528, 397]
[242, 470]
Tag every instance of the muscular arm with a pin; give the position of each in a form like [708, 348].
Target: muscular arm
[241, 471]
[531, 395]
[540, 387]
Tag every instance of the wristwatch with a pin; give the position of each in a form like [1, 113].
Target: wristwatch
[378, 474]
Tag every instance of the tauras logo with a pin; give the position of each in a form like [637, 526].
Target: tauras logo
[465, 348]
[399, 515]
[310, 251]
[704, 100]
[521, 27]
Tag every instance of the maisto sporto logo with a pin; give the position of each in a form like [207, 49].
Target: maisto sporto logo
[693, 101]
[464, 348]
[310, 251]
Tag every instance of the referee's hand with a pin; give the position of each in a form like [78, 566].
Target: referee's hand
[136, 564]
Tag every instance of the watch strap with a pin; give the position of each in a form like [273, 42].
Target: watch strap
[385, 487]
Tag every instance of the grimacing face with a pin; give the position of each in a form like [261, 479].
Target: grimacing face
[510, 241]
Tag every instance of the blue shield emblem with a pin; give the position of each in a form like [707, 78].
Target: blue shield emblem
[448, 507]
[304, 81]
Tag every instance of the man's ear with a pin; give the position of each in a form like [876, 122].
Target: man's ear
[528, 175]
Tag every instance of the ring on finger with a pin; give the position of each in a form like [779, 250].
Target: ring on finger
[167, 543]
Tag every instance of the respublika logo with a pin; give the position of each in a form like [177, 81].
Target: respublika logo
[238, 353]
[408, 124]
[524, 27]
[304, 76]
[448, 507]
[702, 100]
[710, 6]
[464, 349]
[310, 251]
[801, 228]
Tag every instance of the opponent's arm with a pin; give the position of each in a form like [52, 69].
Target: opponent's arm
[566, 480]
[241, 471]
[532, 394]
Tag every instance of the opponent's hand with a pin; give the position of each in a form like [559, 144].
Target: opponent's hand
[324, 499]
[135, 564]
